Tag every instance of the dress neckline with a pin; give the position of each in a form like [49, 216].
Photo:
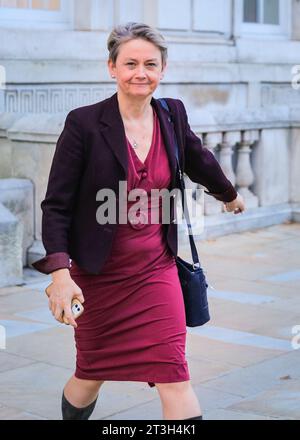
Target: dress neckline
[152, 142]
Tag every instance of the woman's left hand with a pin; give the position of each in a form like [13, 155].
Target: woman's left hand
[237, 205]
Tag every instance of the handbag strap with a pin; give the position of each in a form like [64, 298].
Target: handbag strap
[196, 262]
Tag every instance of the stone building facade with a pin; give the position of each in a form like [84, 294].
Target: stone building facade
[234, 63]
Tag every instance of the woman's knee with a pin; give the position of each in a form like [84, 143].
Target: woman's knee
[89, 383]
[166, 389]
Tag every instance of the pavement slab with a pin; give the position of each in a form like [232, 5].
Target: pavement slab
[244, 363]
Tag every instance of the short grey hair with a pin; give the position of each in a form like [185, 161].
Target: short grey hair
[130, 31]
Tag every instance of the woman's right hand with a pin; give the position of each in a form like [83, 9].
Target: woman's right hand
[61, 292]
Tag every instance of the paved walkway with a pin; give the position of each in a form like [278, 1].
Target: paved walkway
[243, 363]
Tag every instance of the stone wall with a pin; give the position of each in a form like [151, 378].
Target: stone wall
[236, 86]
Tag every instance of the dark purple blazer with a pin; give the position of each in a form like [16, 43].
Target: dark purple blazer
[91, 153]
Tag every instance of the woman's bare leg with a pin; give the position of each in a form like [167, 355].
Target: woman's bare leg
[178, 400]
[82, 392]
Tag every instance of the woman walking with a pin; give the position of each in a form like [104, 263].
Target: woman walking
[133, 326]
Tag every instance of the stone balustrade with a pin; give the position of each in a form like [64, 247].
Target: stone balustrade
[263, 179]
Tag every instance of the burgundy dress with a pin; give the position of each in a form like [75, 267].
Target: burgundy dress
[133, 327]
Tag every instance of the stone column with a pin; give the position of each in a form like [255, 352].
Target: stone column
[244, 173]
[211, 142]
[294, 160]
[230, 139]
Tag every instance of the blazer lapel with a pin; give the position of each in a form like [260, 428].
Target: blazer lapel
[168, 136]
[113, 131]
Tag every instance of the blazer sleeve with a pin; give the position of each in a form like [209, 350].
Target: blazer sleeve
[202, 167]
[57, 207]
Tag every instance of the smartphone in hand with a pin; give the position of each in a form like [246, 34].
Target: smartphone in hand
[77, 310]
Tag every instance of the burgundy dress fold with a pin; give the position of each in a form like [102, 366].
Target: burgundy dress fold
[133, 327]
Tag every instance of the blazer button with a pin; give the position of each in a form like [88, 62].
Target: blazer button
[144, 174]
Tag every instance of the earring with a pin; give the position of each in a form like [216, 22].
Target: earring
[113, 76]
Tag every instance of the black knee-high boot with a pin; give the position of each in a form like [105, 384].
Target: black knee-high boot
[70, 412]
[195, 418]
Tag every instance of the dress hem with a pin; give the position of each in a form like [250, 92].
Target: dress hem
[151, 382]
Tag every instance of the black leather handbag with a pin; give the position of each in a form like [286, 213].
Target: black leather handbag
[191, 275]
